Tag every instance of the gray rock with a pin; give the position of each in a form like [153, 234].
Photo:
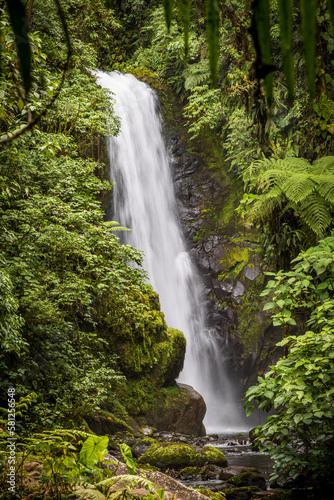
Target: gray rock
[239, 290]
[251, 273]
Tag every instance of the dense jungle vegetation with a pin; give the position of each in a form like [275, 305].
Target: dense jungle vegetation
[81, 330]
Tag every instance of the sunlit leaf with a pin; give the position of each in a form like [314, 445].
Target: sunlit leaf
[212, 14]
[19, 24]
[92, 449]
[308, 10]
[285, 23]
[128, 458]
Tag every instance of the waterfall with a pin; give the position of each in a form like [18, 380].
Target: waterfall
[144, 202]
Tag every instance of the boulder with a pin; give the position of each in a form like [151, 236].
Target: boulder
[249, 477]
[180, 455]
[184, 413]
[172, 487]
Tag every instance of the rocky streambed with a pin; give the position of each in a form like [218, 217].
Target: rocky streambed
[187, 467]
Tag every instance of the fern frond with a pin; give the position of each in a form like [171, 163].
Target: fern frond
[128, 481]
[326, 187]
[324, 165]
[270, 178]
[295, 164]
[316, 213]
[298, 186]
[196, 74]
[89, 493]
[264, 206]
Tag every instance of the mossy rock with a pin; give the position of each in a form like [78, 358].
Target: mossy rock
[243, 493]
[142, 446]
[177, 456]
[149, 467]
[190, 474]
[214, 456]
[172, 456]
[170, 357]
[249, 478]
[214, 495]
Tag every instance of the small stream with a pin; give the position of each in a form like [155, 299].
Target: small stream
[239, 452]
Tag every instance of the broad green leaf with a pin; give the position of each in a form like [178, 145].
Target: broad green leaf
[285, 24]
[92, 448]
[19, 24]
[168, 6]
[262, 21]
[249, 410]
[128, 458]
[183, 7]
[308, 10]
[212, 15]
[268, 305]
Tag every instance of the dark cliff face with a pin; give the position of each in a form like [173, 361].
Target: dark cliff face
[228, 259]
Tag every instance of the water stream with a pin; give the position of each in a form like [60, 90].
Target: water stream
[144, 201]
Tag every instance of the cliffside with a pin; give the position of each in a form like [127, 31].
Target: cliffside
[226, 252]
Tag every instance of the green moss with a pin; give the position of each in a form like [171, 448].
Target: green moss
[180, 455]
[190, 471]
[248, 478]
[214, 495]
[243, 493]
[170, 357]
[235, 259]
[214, 456]
[149, 467]
[166, 455]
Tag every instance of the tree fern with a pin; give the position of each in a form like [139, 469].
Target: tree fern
[326, 187]
[293, 192]
[298, 186]
[316, 213]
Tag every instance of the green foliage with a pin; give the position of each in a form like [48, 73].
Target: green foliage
[308, 287]
[128, 458]
[291, 193]
[72, 299]
[68, 458]
[203, 110]
[300, 387]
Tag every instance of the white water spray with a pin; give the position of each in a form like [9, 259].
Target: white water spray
[144, 201]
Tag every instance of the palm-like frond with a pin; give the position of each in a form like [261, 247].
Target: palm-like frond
[324, 165]
[90, 493]
[270, 178]
[265, 204]
[326, 187]
[299, 186]
[294, 192]
[316, 213]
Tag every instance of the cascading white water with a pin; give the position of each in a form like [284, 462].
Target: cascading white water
[144, 201]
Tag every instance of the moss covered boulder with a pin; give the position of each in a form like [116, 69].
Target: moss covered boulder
[181, 410]
[250, 477]
[172, 456]
[178, 456]
[242, 493]
[214, 456]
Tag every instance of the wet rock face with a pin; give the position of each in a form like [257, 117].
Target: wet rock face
[229, 263]
[185, 414]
